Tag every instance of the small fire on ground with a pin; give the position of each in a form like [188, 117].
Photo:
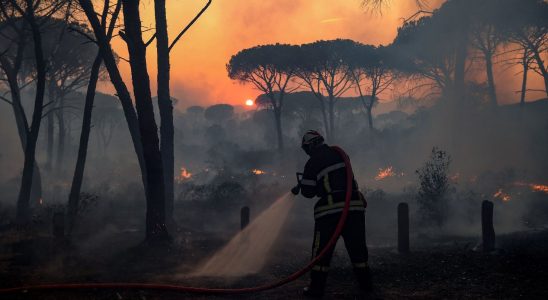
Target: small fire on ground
[502, 196]
[534, 187]
[387, 172]
[258, 172]
[184, 175]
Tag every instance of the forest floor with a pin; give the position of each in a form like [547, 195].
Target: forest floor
[449, 269]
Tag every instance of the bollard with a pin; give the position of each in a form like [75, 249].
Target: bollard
[487, 228]
[244, 217]
[58, 225]
[403, 228]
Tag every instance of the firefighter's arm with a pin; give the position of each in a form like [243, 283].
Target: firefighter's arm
[308, 183]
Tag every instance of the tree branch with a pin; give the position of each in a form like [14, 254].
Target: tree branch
[189, 25]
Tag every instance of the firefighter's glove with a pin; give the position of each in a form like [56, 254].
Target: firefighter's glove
[295, 190]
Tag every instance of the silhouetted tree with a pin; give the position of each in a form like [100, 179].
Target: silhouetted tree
[486, 38]
[324, 71]
[370, 70]
[32, 12]
[94, 72]
[525, 23]
[165, 104]
[270, 68]
[14, 40]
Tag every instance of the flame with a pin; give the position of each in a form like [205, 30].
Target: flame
[534, 187]
[502, 196]
[258, 172]
[184, 175]
[539, 188]
[385, 173]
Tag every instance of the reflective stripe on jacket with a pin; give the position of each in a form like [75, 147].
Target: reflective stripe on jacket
[325, 176]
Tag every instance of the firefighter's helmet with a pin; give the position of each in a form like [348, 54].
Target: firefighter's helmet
[311, 140]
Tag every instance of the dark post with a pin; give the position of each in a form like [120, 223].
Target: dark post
[58, 225]
[244, 217]
[487, 228]
[403, 228]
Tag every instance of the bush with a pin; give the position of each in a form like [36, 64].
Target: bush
[433, 187]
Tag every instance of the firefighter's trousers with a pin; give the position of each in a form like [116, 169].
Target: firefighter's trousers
[353, 235]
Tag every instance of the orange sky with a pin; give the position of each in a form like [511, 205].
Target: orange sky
[198, 61]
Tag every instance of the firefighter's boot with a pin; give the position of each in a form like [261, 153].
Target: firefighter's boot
[317, 285]
[363, 275]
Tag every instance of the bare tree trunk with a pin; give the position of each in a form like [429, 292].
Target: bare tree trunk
[278, 124]
[491, 80]
[77, 180]
[50, 129]
[525, 63]
[331, 116]
[23, 207]
[165, 106]
[542, 68]
[61, 134]
[118, 83]
[155, 222]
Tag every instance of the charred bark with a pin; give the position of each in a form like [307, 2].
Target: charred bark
[77, 180]
[155, 216]
[165, 106]
[121, 89]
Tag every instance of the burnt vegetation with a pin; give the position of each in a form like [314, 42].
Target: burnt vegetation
[137, 185]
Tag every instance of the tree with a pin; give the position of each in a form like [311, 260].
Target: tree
[525, 23]
[77, 179]
[31, 12]
[14, 38]
[219, 113]
[371, 72]
[324, 71]
[270, 68]
[140, 121]
[486, 38]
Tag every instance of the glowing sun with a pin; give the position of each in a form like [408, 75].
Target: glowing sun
[249, 102]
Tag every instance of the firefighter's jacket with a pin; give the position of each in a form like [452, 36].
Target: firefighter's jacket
[325, 176]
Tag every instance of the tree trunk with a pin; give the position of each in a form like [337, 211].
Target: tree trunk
[331, 116]
[23, 208]
[370, 118]
[165, 106]
[524, 80]
[279, 132]
[118, 83]
[50, 129]
[22, 127]
[542, 68]
[77, 180]
[155, 221]
[61, 134]
[491, 80]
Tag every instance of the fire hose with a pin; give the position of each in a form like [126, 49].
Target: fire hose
[202, 290]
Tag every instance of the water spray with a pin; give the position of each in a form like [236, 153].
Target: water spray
[202, 290]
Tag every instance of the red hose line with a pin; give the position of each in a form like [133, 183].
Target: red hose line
[189, 289]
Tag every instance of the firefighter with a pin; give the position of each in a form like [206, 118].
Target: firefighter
[325, 176]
